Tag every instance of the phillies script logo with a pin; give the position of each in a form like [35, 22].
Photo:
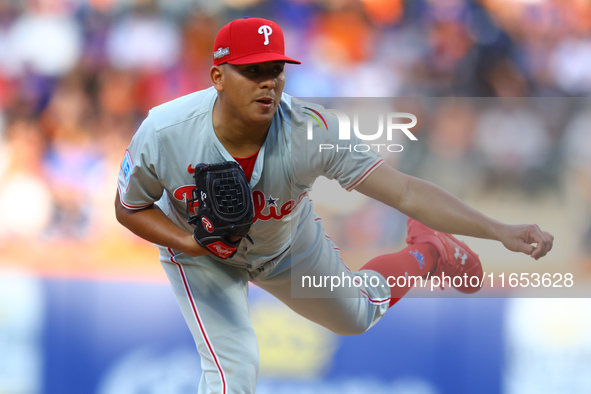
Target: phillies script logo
[265, 208]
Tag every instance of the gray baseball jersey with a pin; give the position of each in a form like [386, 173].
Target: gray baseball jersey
[176, 136]
[212, 293]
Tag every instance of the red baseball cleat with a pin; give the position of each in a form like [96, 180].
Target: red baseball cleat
[456, 259]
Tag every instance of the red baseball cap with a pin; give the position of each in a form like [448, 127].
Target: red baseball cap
[248, 41]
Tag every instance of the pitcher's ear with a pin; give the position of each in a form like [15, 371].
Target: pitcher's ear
[216, 73]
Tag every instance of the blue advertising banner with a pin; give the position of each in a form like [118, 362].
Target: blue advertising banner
[118, 337]
[65, 336]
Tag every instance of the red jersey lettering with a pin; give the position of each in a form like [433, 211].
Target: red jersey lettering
[261, 202]
[185, 193]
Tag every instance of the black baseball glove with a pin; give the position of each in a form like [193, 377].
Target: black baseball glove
[225, 208]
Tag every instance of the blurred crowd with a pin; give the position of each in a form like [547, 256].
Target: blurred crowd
[78, 76]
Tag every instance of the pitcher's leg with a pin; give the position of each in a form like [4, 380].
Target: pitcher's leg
[213, 298]
[305, 279]
[314, 281]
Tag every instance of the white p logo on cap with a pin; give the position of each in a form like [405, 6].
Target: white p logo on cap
[267, 31]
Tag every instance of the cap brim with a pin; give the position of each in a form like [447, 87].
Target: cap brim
[263, 58]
